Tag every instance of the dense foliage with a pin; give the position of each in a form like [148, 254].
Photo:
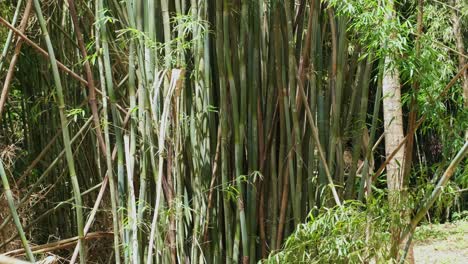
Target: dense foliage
[229, 131]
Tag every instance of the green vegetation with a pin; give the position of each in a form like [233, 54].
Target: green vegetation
[427, 233]
[203, 131]
[343, 234]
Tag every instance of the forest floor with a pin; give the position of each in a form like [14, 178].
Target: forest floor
[442, 243]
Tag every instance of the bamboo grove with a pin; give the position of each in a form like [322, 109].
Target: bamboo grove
[205, 131]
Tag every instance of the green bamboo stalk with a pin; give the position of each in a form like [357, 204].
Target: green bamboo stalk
[274, 199]
[134, 10]
[352, 105]
[167, 33]
[224, 131]
[365, 179]
[201, 133]
[291, 132]
[143, 115]
[271, 116]
[322, 112]
[315, 83]
[65, 131]
[360, 125]
[14, 213]
[339, 57]
[157, 87]
[179, 138]
[238, 126]
[296, 184]
[110, 172]
[256, 151]
[121, 186]
[132, 210]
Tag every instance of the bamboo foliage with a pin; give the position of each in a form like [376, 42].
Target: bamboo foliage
[220, 126]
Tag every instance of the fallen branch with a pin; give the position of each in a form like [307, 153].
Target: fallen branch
[65, 243]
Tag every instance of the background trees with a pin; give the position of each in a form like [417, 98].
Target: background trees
[214, 128]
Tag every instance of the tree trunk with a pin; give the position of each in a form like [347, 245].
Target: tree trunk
[393, 126]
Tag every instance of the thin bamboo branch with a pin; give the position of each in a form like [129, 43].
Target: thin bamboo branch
[64, 243]
[315, 135]
[110, 157]
[91, 216]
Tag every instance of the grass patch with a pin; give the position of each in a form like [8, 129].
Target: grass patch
[430, 232]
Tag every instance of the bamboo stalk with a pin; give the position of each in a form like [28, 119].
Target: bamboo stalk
[89, 76]
[132, 214]
[121, 184]
[14, 213]
[109, 159]
[91, 217]
[224, 132]
[360, 125]
[176, 76]
[65, 131]
[365, 179]
[238, 127]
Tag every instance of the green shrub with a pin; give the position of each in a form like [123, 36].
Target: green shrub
[346, 234]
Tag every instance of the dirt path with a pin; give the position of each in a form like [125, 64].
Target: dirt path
[446, 243]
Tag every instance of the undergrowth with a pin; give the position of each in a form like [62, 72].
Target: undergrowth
[352, 233]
